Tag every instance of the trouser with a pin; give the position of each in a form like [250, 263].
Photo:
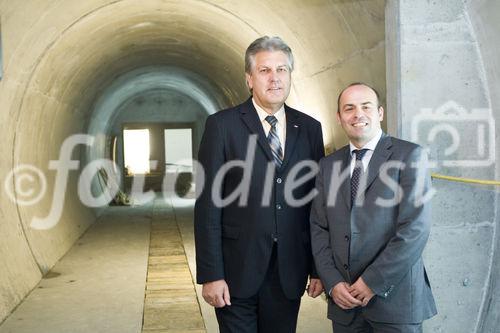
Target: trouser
[269, 311]
[360, 324]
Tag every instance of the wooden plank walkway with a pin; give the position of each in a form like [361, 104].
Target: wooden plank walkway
[170, 304]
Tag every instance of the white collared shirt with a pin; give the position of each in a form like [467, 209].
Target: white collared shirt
[370, 145]
[280, 125]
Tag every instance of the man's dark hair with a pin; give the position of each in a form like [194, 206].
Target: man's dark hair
[358, 84]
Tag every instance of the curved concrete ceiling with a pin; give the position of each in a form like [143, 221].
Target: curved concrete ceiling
[62, 56]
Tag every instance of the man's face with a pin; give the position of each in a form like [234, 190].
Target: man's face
[270, 80]
[359, 114]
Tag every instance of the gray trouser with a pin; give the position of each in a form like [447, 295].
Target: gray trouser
[362, 325]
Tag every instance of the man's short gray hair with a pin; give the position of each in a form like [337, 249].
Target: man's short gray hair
[266, 43]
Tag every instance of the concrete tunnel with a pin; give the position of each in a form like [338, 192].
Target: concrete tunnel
[72, 67]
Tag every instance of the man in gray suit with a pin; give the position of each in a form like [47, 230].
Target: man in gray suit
[370, 222]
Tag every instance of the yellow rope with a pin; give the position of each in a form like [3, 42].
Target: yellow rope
[466, 180]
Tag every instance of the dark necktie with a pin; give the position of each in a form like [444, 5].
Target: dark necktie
[356, 173]
[274, 141]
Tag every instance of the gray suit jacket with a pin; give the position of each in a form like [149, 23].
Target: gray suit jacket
[381, 238]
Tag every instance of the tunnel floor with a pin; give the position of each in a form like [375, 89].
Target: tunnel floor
[132, 271]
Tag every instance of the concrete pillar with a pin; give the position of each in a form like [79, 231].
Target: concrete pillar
[484, 18]
[436, 70]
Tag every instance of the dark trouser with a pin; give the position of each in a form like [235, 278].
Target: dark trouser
[360, 324]
[269, 311]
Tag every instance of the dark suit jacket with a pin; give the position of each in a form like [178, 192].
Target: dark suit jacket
[381, 244]
[235, 242]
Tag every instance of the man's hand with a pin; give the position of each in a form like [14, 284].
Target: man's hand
[361, 291]
[341, 296]
[216, 293]
[315, 288]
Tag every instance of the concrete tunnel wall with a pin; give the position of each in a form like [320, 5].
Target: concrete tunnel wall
[60, 57]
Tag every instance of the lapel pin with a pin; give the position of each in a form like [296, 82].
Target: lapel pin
[296, 126]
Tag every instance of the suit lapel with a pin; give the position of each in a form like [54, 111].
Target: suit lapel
[292, 133]
[380, 155]
[251, 119]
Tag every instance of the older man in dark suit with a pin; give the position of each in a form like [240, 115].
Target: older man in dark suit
[370, 222]
[253, 250]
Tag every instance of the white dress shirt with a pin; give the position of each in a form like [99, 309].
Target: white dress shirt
[370, 145]
[280, 125]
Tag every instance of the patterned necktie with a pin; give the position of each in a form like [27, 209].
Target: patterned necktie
[274, 141]
[356, 173]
